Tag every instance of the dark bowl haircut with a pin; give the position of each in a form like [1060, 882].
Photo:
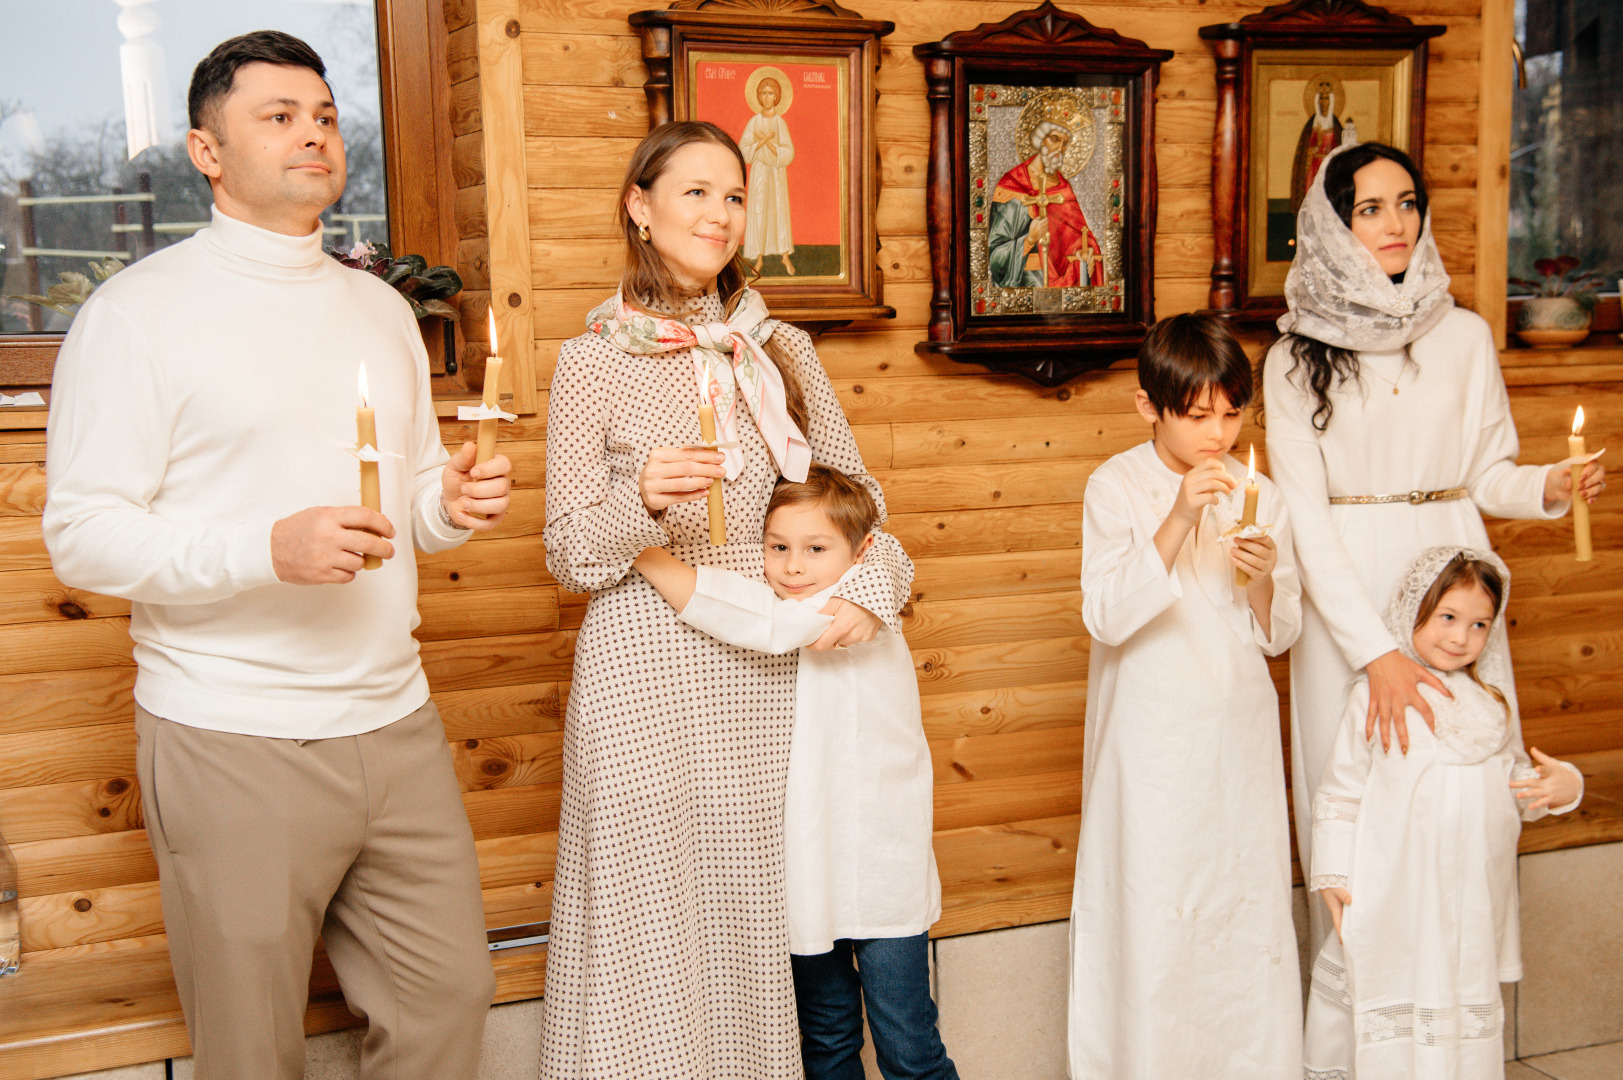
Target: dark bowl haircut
[215, 74]
[1185, 357]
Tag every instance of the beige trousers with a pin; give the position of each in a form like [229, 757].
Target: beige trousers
[264, 844]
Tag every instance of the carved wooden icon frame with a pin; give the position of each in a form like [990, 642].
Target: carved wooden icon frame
[719, 60]
[1079, 292]
[1269, 54]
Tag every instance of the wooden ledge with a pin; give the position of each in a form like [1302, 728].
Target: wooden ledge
[102, 1006]
[1562, 367]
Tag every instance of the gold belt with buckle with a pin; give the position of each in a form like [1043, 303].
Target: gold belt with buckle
[1413, 498]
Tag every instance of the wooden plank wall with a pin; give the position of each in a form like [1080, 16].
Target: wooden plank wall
[984, 476]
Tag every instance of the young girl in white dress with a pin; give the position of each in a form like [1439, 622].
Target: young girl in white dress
[1415, 853]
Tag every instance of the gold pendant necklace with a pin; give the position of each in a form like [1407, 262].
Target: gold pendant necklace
[1393, 384]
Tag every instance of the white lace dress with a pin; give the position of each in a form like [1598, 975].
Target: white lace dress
[1426, 845]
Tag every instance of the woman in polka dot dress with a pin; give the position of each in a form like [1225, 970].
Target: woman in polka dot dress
[670, 955]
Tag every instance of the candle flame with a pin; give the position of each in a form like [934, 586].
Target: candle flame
[490, 313]
[1578, 421]
[704, 390]
[360, 382]
[1251, 469]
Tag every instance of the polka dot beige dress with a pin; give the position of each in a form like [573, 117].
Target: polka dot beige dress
[670, 954]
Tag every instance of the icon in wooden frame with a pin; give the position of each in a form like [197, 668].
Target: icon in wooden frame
[1293, 82]
[792, 81]
[1042, 194]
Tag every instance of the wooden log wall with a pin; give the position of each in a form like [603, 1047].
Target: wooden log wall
[984, 475]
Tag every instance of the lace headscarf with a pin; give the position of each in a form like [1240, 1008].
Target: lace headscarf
[1338, 293]
[1461, 726]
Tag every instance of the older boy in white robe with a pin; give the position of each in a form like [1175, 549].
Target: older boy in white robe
[1183, 954]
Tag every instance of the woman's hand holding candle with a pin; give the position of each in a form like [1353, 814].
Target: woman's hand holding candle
[678, 474]
[476, 496]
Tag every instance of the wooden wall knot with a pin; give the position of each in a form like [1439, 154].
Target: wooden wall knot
[512, 28]
[82, 904]
[70, 610]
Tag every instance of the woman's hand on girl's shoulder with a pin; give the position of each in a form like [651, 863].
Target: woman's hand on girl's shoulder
[1394, 688]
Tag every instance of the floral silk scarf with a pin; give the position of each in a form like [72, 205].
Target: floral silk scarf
[734, 344]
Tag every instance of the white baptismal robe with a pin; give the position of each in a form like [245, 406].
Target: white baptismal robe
[858, 808]
[1183, 953]
[769, 150]
[1449, 426]
[1426, 845]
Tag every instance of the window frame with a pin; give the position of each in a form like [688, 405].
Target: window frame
[414, 93]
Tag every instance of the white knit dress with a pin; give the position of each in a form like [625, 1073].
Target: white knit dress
[670, 953]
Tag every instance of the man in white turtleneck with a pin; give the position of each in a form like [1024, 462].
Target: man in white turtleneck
[294, 773]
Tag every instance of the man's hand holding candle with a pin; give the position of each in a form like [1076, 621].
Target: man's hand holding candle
[468, 489]
[325, 545]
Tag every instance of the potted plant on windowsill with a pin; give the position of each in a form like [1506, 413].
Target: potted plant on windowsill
[426, 288]
[1562, 305]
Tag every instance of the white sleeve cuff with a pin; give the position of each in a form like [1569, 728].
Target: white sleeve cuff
[248, 555]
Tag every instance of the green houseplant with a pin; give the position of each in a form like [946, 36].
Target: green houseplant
[1562, 304]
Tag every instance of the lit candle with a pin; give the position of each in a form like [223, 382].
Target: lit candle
[492, 399]
[707, 431]
[366, 434]
[1248, 516]
[1580, 509]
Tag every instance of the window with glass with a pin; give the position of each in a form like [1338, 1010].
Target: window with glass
[93, 167]
[1566, 161]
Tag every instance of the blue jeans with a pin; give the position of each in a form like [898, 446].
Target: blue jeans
[893, 976]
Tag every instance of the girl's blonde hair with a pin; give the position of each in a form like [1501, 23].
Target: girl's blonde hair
[647, 283]
[1466, 571]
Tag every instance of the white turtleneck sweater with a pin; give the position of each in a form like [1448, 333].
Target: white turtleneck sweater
[202, 395]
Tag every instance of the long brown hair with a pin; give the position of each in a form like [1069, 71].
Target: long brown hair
[647, 283]
[1466, 571]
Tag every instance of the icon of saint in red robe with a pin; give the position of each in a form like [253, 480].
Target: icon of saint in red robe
[1039, 236]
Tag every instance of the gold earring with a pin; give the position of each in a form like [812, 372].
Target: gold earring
[642, 232]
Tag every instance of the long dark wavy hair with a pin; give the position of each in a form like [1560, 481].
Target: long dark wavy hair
[647, 283]
[1324, 366]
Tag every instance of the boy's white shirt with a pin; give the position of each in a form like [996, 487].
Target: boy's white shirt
[858, 859]
[1182, 885]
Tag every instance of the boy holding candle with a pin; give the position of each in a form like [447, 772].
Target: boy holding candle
[860, 874]
[1183, 952]
[294, 774]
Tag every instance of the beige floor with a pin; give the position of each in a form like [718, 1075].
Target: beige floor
[1604, 1062]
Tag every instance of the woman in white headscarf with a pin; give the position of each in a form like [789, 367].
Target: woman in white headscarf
[1389, 432]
